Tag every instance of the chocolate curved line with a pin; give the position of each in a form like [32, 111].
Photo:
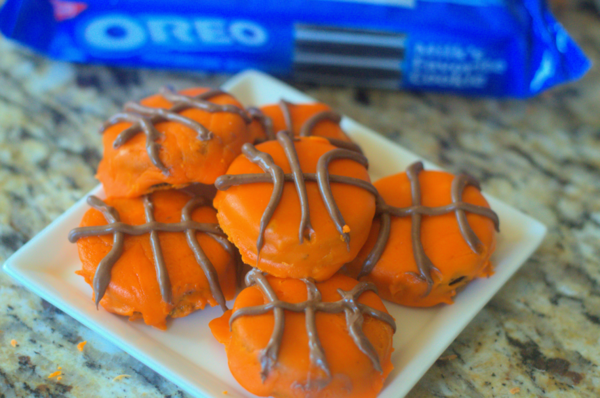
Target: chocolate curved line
[382, 239]
[265, 162]
[146, 126]
[308, 126]
[416, 211]
[144, 118]
[271, 352]
[187, 225]
[275, 175]
[348, 304]
[264, 120]
[200, 102]
[290, 152]
[349, 145]
[315, 348]
[102, 274]
[423, 262]
[325, 186]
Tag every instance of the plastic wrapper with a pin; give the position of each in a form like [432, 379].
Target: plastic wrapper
[480, 47]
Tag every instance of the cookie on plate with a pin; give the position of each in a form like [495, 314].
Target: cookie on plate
[298, 338]
[434, 234]
[157, 256]
[171, 140]
[296, 207]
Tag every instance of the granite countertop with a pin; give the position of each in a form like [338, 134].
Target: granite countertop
[538, 337]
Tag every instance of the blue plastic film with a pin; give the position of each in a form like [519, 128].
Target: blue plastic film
[477, 47]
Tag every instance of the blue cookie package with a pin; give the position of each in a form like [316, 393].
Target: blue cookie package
[500, 48]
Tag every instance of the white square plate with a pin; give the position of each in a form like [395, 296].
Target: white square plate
[190, 357]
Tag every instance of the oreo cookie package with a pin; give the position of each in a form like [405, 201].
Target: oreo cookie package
[498, 48]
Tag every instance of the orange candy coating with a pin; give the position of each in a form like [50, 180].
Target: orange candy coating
[134, 290]
[300, 114]
[442, 241]
[353, 374]
[240, 209]
[127, 171]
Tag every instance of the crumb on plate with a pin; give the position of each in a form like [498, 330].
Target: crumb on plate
[81, 345]
[55, 374]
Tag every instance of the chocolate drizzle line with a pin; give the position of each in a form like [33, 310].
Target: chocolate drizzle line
[307, 128]
[348, 304]
[152, 227]
[287, 114]
[416, 211]
[264, 120]
[144, 118]
[274, 174]
[290, 152]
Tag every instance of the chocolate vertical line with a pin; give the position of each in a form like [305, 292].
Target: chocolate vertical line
[423, 263]
[287, 115]
[290, 152]
[266, 163]
[317, 354]
[209, 270]
[162, 274]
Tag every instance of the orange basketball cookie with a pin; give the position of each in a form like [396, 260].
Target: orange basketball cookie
[434, 234]
[171, 140]
[161, 255]
[296, 338]
[303, 120]
[298, 208]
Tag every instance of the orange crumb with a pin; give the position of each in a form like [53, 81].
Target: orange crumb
[60, 367]
[515, 390]
[448, 358]
[345, 229]
[57, 373]
[120, 377]
[81, 345]
[59, 378]
[13, 342]
[225, 392]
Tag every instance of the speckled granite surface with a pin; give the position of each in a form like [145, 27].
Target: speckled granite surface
[539, 337]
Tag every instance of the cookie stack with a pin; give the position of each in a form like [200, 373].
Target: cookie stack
[292, 201]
